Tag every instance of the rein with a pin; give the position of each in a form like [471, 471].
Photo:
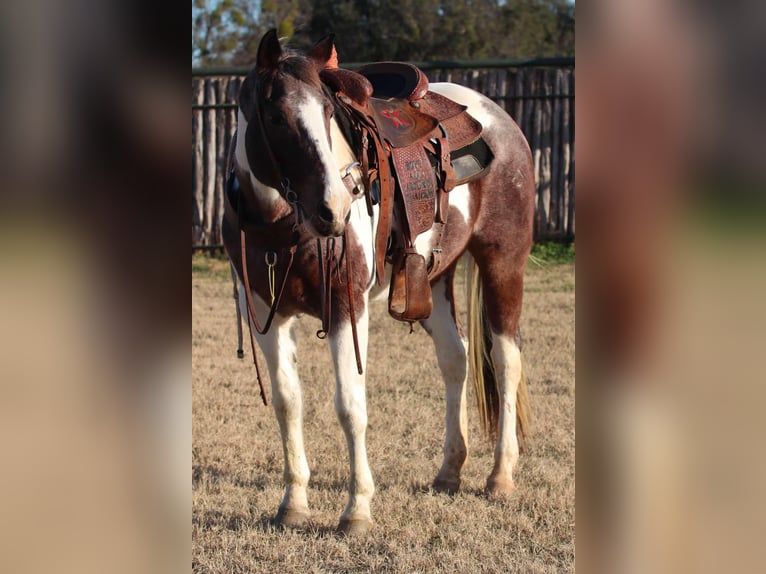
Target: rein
[271, 260]
[325, 267]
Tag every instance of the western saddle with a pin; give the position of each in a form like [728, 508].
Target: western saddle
[414, 147]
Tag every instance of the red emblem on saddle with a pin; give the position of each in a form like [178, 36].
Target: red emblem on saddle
[393, 115]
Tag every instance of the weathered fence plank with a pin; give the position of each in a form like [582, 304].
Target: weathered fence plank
[198, 175]
[211, 154]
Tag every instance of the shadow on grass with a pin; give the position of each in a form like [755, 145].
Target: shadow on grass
[422, 488]
[203, 475]
[217, 519]
[270, 525]
[265, 522]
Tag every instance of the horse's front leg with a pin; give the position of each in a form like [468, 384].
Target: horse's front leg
[279, 349]
[351, 407]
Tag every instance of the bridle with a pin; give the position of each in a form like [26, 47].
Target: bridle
[326, 260]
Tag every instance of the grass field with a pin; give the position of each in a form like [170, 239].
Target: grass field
[237, 456]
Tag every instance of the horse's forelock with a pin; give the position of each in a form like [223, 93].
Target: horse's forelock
[293, 64]
[302, 68]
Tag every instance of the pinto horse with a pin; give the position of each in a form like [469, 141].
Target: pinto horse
[290, 198]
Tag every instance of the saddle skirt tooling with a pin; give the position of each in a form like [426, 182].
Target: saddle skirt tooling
[422, 145]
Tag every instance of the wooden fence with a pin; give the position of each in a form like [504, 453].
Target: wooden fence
[538, 94]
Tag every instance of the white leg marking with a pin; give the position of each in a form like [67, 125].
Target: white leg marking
[451, 353]
[351, 407]
[279, 349]
[507, 359]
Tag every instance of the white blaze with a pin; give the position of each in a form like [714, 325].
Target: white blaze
[310, 115]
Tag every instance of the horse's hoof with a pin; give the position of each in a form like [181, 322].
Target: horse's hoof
[352, 527]
[446, 486]
[499, 488]
[292, 517]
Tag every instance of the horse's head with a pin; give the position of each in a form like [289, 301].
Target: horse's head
[288, 133]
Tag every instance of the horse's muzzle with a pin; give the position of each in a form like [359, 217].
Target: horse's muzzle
[327, 222]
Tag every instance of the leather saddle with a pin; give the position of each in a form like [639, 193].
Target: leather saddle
[423, 145]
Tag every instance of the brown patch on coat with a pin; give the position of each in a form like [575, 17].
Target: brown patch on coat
[503, 227]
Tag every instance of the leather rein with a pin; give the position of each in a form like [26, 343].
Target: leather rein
[325, 261]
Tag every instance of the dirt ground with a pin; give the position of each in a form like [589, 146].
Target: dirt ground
[237, 457]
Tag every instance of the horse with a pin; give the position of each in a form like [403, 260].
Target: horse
[303, 243]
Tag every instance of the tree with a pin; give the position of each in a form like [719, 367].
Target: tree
[468, 29]
[217, 28]
[228, 31]
[538, 28]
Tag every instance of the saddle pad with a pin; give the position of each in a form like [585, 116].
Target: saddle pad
[418, 186]
[471, 161]
[400, 123]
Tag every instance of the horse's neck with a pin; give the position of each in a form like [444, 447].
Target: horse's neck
[343, 154]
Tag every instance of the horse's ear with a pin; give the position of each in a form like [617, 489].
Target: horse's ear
[269, 51]
[323, 53]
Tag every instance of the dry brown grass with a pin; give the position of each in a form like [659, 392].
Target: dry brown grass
[237, 457]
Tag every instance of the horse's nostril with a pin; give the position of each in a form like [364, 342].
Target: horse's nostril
[324, 212]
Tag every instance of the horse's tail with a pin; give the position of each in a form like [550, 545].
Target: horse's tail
[483, 370]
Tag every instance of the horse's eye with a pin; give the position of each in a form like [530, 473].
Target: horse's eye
[276, 118]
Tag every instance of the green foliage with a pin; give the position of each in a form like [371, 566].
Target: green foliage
[539, 28]
[552, 252]
[228, 31]
[210, 265]
[217, 27]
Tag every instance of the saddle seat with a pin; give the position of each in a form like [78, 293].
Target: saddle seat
[416, 135]
[383, 80]
[397, 80]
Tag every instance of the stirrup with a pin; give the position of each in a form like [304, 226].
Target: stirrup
[409, 298]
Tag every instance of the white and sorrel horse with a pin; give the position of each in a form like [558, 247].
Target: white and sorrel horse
[291, 196]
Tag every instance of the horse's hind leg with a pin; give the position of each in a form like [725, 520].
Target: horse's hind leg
[278, 347]
[452, 359]
[351, 408]
[506, 356]
[502, 290]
